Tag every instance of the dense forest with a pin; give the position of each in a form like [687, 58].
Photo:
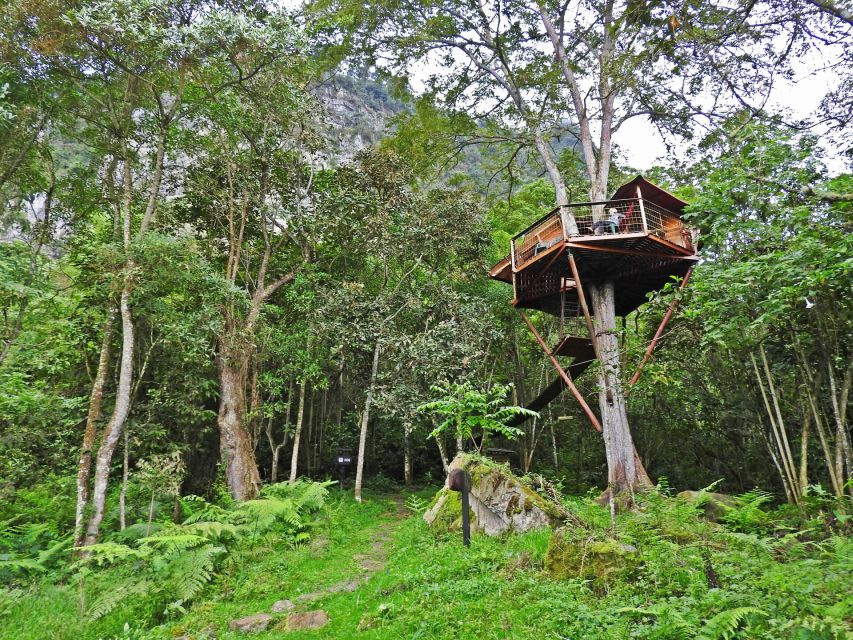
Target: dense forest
[241, 240]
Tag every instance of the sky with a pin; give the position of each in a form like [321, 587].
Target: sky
[642, 147]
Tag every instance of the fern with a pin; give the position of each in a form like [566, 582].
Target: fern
[115, 595]
[416, 504]
[266, 513]
[173, 541]
[107, 553]
[725, 624]
[18, 565]
[190, 571]
[214, 531]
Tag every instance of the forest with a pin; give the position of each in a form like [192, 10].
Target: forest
[270, 271]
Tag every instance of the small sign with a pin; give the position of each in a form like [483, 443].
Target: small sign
[344, 460]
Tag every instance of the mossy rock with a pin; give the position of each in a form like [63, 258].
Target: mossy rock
[445, 512]
[714, 505]
[572, 554]
[500, 501]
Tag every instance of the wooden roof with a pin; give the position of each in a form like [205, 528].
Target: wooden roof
[650, 192]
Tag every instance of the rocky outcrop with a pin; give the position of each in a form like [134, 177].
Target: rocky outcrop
[499, 501]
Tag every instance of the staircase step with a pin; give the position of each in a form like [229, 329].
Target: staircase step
[552, 391]
[575, 347]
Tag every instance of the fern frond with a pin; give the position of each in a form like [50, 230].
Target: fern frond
[725, 624]
[114, 596]
[171, 541]
[213, 531]
[105, 553]
[21, 565]
[191, 570]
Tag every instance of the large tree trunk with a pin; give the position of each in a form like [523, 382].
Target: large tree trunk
[294, 459]
[235, 444]
[625, 472]
[96, 400]
[113, 430]
[365, 419]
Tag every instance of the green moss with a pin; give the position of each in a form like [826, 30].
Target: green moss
[571, 555]
[449, 515]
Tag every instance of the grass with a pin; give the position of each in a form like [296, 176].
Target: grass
[434, 588]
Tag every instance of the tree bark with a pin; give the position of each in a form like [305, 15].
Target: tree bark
[407, 457]
[112, 432]
[365, 420]
[122, 497]
[625, 472]
[300, 414]
[96, 401]
[235, 445]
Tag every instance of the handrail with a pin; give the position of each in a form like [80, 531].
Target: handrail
[619, 216]
[571, 204]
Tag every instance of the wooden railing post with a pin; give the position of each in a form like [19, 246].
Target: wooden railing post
[642, 210]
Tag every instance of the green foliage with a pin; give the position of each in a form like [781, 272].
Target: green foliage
[470, 413]
[170, 568]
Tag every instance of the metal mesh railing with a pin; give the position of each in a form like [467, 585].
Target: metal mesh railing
[613, 217]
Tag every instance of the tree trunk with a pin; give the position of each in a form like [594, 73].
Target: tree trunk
[625, 472]
[96, 400]
[439, 441]
[113, 430]
[365, 420]
[235, 444]
[122, 496]
[804, 453]
[407, 457]
[554, 447]
[294, 459]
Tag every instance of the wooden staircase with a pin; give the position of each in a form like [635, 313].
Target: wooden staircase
[576, 347]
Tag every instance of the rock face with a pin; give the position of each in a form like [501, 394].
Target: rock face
[714, 505]
[499, 502]
[572, 554]
[251, 624]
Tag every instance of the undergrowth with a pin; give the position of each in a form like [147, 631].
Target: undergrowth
[759, 573]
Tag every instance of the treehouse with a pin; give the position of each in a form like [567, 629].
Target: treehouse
[636, 240]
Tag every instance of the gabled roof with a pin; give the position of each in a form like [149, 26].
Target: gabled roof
[650, 192]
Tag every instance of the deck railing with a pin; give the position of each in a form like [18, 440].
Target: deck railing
[609, 218]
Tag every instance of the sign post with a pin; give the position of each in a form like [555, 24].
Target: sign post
[343, 459]
[458, 480]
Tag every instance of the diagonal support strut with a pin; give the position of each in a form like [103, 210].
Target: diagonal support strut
[659, 332]
[565, 376]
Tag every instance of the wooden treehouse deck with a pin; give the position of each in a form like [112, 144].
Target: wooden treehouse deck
[636, 240]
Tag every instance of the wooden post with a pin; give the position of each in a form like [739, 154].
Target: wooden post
[565, 376]
[642, 210]
[584, 307]
[659, 332]
[466, 524]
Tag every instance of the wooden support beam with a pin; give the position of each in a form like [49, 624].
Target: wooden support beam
[565, 376]
[659, 332]
[582, 299]
[632, 252]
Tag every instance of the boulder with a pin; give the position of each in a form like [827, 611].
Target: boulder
[714, 505]
[575, 554]
[499, 501]
[280, 606]
[307, 620]
[251, 624]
